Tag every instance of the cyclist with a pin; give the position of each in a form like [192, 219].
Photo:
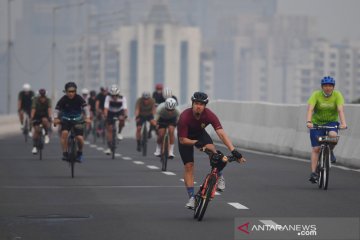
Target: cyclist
[71, 105]
[24, 104]
[85, 94]
[115, 106]
[99, 106]
[324, 108]
[40, 114]
[191, 132]
[144, 111]
[92, 103]
[157, 94]
[167, 115]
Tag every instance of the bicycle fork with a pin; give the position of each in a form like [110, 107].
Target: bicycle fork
[204, 187]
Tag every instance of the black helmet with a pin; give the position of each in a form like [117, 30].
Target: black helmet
[42, 92]
[200, 97]
[70, 85]
[92, 93]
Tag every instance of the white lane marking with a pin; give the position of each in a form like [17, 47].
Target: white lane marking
[127, 158]
[93, 145]
[169, 173]
[138, 162]
[117, 154]
[269, 222]
[152, 167]
[237, 205]
[217, 193]
[100, 148]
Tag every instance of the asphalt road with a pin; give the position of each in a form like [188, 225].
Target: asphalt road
[130, 198]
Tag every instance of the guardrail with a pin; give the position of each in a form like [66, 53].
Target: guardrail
[9, 124]
[281, 129]
[274, 128]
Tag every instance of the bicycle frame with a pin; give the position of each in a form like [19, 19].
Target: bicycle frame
[324, 163]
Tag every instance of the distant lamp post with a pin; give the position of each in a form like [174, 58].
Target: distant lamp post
[53, 43]
[9, 58]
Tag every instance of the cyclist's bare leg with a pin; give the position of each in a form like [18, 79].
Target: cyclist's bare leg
[171, 134]
[161, 133]
[121, 123]
[80, 141]
[138, 133]
[46, 124]
[211, 147]
[64, 140]
[35, 133]
[21, 117]
[189, 174]
[109, 134]
[314, 158]
[332, 134]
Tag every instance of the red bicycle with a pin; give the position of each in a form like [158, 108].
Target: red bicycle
[207, 190]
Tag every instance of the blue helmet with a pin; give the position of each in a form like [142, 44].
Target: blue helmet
[328, 80]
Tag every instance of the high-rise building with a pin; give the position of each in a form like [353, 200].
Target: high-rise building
[159, 50]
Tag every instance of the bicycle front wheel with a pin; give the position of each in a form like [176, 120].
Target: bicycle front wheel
[72, 155]
[165, 153]
[206, 198]
[326, 171]
[144, 137]
[320, 168]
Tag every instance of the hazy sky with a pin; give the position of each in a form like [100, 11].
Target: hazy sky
[336, 19]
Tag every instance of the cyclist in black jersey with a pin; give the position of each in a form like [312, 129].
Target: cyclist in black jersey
[24, 104]
[71, 106]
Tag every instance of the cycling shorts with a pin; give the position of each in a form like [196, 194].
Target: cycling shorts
[111, 115]
[78, 127]
[187, 151]
[315, 133]
[164, 123]
[143, 119]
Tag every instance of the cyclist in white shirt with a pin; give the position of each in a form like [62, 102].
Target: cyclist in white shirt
[115, 106]
[167, 115]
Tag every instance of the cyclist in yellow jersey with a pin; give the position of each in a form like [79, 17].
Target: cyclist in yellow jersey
[324, 108]
[144, 111]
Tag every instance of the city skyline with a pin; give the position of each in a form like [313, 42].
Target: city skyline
[33, 63]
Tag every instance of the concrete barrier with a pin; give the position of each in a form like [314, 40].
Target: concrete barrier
[9, 125]
[281, 129]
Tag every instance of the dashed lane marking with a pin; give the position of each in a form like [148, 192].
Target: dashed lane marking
[237, 205]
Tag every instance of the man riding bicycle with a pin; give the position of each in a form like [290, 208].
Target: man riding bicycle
[115, 106]
[71, 107]
[24, 104]
[324, 108]
[167, 115]
[40, 114]
[191, 132]
[99, 106]
[144, 111]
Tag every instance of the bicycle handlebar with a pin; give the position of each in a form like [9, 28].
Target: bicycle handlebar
[327, 127]
[211, 154]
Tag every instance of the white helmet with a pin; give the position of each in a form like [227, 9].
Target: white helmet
[167, 93]
[85, 91]
[170, 104]
[114, 91]
[26, 87]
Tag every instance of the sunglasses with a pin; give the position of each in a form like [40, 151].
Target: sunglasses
[71, 91]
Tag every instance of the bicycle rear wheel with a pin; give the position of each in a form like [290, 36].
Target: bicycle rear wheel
[72, 155]
[320, 168]
[206, 198]
[113, 144]
[26, 129]
[144, 137]
[326, 170]
[165, 153]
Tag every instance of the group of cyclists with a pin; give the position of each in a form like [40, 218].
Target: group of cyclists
[161, 110]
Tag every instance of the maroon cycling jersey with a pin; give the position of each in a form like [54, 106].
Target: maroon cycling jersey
[189, 126]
